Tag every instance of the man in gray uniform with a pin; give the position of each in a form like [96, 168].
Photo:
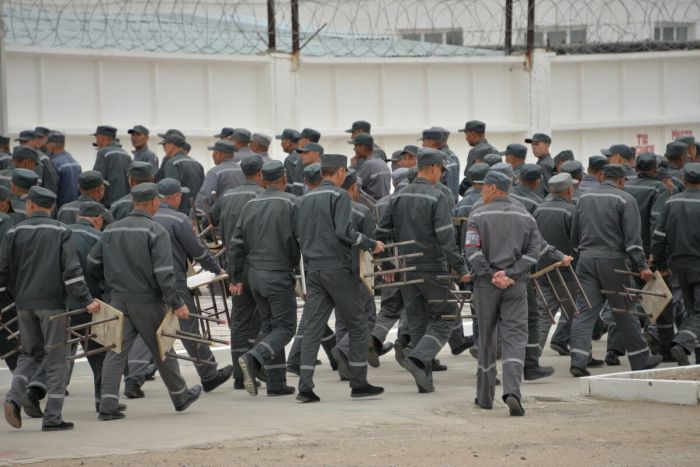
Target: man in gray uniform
[374, 172]
[48, 177]
[502, 244]
[526, 190]
[264, 243]
[325, 231]
[308, 154]
[22, 158]
[676, 155]
[142, 153]
[289, 140]
[606, 230]
[435, 138]
[112, 162]
[515, 155]
[575, 169]
[139, 172]
[594, 173]
[476, 174]
[475, 134]
[260, 144]
[676, 243]
[540, 143]
[435, 238]
[135, 258]
[22, 181]
[241, 140]
[92, 187]
[363, 127]
[180, 166]
[623, 155]
[225, 175]
[38, 266]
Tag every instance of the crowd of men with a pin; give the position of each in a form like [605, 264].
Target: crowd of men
[127, 232]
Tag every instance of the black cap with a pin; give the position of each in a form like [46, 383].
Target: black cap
[24, 153]
[517, 150]
[363, 138]
[360, 125]
[331, 161]
[396, 155]
[676, 150]
[492, 159]
[575, 168]
[139, 129]
[597, 162]
[530, 172]
[565, 155]
[272, 170]
[4, 140]
[613, 171]
[106, 130]
[691, 172]
[474, 125]
[91, 209]
[646, 162]
[662, 162]
[252, 164]
[42, 131]
[539, 137]
[410, 149]
[623, 150]
[187, 147]
[241, 135]
[144, 192]
[311, 134]
[170, 186]
[429, 156]
[290, 134]
[41, 196]
[172, 131]
[223, 145]
[432, 134]
[225, 132]
[312, 173]
[24, 178]
[350, 179]
[140, 171]
[91, 179]
[56, 137]
[311, 147]
[477, 172]
[173, 138]
[26, 135]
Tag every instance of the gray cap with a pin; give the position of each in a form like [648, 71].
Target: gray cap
[432, 134]
[492, 159]
[252, 164]
[331, 161]
[646, 162]
[565, 155]
[174, 138]
[517, 150]
[363, 138]
[170, 186]
[91, 179]
[91, 209]
[41, 131]
[396, 155]
[311, 147]
[242, 135]
[530, 172]
[139, 129]
[24, 178]
[144, 192]
[223, 145]
[477, 172]
[262, 140]
[272, 170]
[410, 149]
[505, 168]
[311, 135]
[398, 175]
[597, 162]
[689, 140]
[172, 131]
[106, 130]
[623, 150]
[225, 132]
[5, 193]
[480, 153]
[26, 135]
[614, 171]
[23, 153]
[539, 137]
[360, 125]
[474, 125]
[676, 150]
[140, 171]
[56, 137]
[560, 182]
[575, 168]
[41, 196]
[429, 156]
[501, 180]
[312, 173]
[350, 179]
[290, 134]
[691, 172]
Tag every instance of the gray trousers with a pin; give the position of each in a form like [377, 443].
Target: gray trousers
[689, 281]
[532, 348]
[389, 313]
[596, 274]
[327, 289]
[245, 325]
[36, 333]
[328, 341]
[140, 320]
[502, 319]
[138, 362]
[341, 331]
[273, 292]
[562, 332]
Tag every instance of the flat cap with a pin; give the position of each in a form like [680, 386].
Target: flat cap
[350, 179]
[311, 147]
[106, 130]
[410, 149]
[272, 170]
[499, 179]
[41, 196]
[474, 125]
[396, 155]
[91, 179]
[398, 175]
[26, 135]
[505, 168]
[676, 150]
[140, 129]
[563, 156]
[623, 150]
[42, 131]
[251, 165]
[646, 161]
[5, 193]
[661, 161]
[172, 131]
[173, 138]
[312, 173]
[242, 135]
[597, 162]
[24, 153]
[613, 171]
[290, 134]
[5, 140]
[517, 150]
[662, 174]
[144, 192]
[24, 178]
[560, 182]
[480, 153]
[360, 125]
[432, 134]
[225, 132]
[170, 186]
[492, 159]
[363, 138]
[691, 172]
[477, 172]
[140, 171]
[575, 168]
[262, 140]
[311, 134]
[331, 161]
[689, 140]
[91, 209]
[530, 172]
[540, 138]
[187, 147]
[429, 156]
[56, 137]
[223, 145]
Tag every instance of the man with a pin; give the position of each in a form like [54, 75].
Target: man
[435, 238]
[92, 188]
[186, 246]
[515, 156]
[623, 155]
[325, 232]
[676, 155]
[7, 345]
[406, 157]
[289, 140]
[374, 172]
[526, 191]
[433, 138]
[241, 140]
[112, 162]
[675, 244]
[66, 167]
[502, 245]
[564, 156]
[38, 266]
[225, 175]
[265, 240]
[540, 143]
[575, 169]
[23, 157]
[139, 172]
[259, 144]
[594, 173]
[309, 135]
[225, 133]
[606, 229]
[48, 178]
[142, 153]
[178, 165]
[312, 176]
[475, 134]
[362, 127]
[134, 256]
[307, 155]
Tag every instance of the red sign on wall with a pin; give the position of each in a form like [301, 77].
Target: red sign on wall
[643, 144]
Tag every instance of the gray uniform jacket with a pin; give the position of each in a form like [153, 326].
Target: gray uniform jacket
[480, 149]
[146, 155]
[553, 219]
[122, 207]
[525, 195]
[588, 182]
[451, 177]
[48, 177]
[135, 259]
[39, 267]
[466, 204]
[298, 177]
[290, 169]
[229, 207]
[676, 236]
[376, 177]
[84, 237]
[363, 222]
[242, 153]
[265, 236]
[378, 153]
[422, 213]
[606, 224]
[225, 176]
[502, 236]
[650, 195]
[325, 230]
[188, 171]
[5, 224]
[68, 214]
[113, 163]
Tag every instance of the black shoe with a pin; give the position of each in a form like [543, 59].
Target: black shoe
[611, 358]
[560, 349]
[386, 348]
[577, 372]
[285, 391]
[307, 397]
[319, 362]
[248, 367]
[373, 347]
[419, 375]
[595, 363]
[398, 352]
[13, 416]
[107, 416]
[653, 361]
[516, 408]
[31, 406]
[152, 370]
[192, 395]
[57, 427]
[679, 355]
[498, 381]
[467, 344]
[531, 374]
[342, 361]
[261, 374]
[238, 384]
[485, 407]
[437, 366]
[133, 391]
[223, 375]
[366, 391]
[474, 352]
[292, 369]
[120, 407]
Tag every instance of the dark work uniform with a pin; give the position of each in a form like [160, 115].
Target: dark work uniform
[48, 177]
[122, 207]
[291, 163]
[113, 163]
[451, 177]
[68, 171]
[188, 172]
[225, 176]
[146, 155]
[375, 175]
[7, 345]
[68, 214]
[480, 149]
[547, 166]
